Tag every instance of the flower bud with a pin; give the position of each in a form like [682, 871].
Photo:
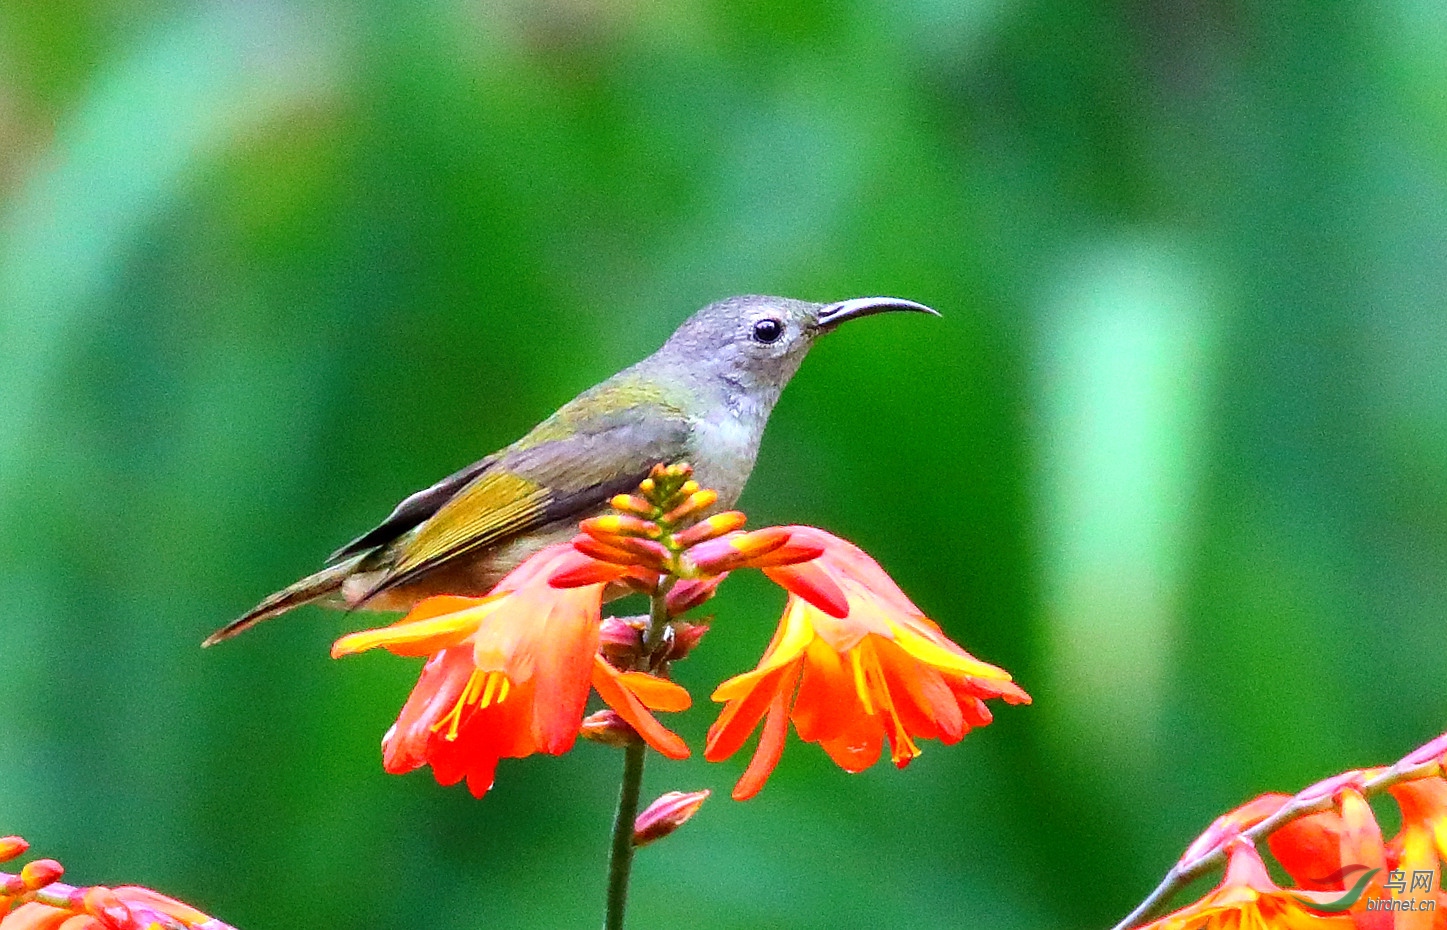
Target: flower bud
[1330, 787]
[814, 585]
[696, 502]
[734, 551]
[616, 524]
[1436, 749]
[632, 504]
[107, 907]
[608, 728]
[684, 637]
[40, 873]
[1230, 825]
[666, 814]
[11, 846]
[621, 637]
[688, 593]
[589, 573]
[720, 524]
[639, 551]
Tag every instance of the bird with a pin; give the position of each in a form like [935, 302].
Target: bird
[703, 398]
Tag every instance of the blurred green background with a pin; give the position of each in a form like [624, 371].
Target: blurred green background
[1176, 455]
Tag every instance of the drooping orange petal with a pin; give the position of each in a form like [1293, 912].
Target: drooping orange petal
[656, 693]
[770, 748]
[561, 679]
[870, 680]
[739, 717]
[923, 701]
[858, 745]
[406, 745]
[826, 700]
[621, 699]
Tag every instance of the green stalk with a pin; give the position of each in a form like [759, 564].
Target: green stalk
[620, 858]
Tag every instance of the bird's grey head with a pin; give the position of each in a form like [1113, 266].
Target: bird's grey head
[756, 343]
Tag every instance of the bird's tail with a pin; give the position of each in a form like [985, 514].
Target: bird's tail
[311, 588]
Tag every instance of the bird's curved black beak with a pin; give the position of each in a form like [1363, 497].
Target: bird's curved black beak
[834, 314]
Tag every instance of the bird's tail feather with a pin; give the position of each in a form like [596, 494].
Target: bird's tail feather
[311, 588]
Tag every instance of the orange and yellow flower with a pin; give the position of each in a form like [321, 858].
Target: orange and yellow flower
[35, 899]
[509, 675]
[141, 907]
[853, 663]
[1247, 899]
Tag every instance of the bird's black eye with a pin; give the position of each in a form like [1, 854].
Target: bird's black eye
[768, 330]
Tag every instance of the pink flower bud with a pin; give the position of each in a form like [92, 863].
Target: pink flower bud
[685, 637]
[667, 814]
[718, 525]
[621, 637]
[40, 873]
[624, 550]
[736, 550]
[1228, 826]
[608, 728]
[107, 907]
[1433, 750]
[691, 592]
[1332, 786]
[11, 846]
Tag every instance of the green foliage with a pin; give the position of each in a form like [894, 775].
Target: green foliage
[1177, 446]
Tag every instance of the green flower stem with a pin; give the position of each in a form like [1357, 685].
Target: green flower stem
[620, 858]
[1183, 873]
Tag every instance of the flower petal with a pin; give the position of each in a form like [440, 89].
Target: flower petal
[656, 693]
[770, 748]
[433, 625]
[739, 717]
[809, 581]
[621, 699]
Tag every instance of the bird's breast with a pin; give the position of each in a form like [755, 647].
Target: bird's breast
[724, 449]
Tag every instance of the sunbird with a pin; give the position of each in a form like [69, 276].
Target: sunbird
[703, 398]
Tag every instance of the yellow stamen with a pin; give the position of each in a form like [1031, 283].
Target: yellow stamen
[901, 745]
[861, 685]
[454, 716]
[483, 689]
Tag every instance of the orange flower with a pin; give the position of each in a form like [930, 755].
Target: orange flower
[853, 663]
[1331, 851]
[1247, 899]
[509, 674]
[1421, 847]
[99, 908]
[1326, 851]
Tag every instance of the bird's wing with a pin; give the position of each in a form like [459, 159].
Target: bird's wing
[571, 464]
[412, 511]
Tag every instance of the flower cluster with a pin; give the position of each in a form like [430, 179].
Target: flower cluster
[854, 663]
[1327, 839]
[35, 899]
